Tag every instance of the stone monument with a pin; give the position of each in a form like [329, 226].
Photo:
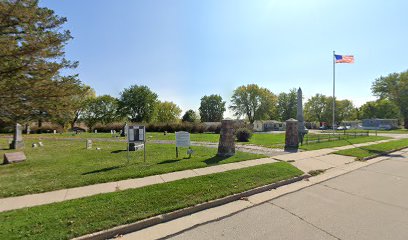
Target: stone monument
[17, 138]
[299, 116]
[226, 145]
[292, 134]
[88, 144]
[124, 130]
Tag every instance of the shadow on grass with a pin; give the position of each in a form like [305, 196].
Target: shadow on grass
[102, 170]
[119, 151]
[214, 160]
[169, 161]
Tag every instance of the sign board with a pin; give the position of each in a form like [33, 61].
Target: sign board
[183, 139]
[136, 134]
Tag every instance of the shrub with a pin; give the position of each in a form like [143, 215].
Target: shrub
[243, 134]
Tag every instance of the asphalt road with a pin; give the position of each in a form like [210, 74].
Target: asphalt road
[368, 203]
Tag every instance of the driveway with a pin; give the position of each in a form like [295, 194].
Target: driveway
[368, 203]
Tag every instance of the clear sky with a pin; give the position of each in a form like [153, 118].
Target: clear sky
[185, 49]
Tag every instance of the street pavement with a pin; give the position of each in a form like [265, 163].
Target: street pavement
[368, 203]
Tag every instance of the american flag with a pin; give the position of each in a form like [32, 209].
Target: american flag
[344, 58]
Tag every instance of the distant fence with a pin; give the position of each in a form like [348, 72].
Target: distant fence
[317, 138]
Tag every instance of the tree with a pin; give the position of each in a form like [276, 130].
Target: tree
[31, 58]
[287, 105]
[345, 110]
[138, 103]
[382, 108]
[189, 116]
[102, 109]
[167, 112]
[212, 108]
[74, 107]
[320, 108]
[394, 87]
[315, 108]
[253, 102]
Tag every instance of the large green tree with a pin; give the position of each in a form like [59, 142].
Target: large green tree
[138, 103]
[382, 108]
[102, 109]
[315, 108]
[190, 116]
[32, 43]
[287, 105]
[167, 112]
[253, 102]
[319, 108]
[212, 108]
[395, 88]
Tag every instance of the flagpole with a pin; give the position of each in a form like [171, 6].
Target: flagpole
[334, 90]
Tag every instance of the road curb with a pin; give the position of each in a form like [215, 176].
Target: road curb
[132, 227]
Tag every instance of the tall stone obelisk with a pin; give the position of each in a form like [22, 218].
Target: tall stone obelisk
[299, 116]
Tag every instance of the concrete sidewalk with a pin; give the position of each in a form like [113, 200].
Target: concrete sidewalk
[31, 200]
[360, 200]
[305, 161]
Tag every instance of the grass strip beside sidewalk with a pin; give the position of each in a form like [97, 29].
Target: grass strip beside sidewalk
[340, 143]
[374, 150]
[82, 216]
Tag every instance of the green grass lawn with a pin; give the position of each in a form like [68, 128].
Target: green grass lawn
[276, 140]
[78, 217]
[372, 132]
[65, 164]
[339, 143]
[374, 150]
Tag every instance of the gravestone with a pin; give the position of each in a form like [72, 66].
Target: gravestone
[17, 138]
[226, 145]
[55, 131]
[292, 134]
[88, 144]
[28, 129]
[124, 130]
[14, 157]
[96, 131]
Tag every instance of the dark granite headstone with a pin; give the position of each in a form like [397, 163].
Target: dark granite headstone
[226, 145]
[14, 157]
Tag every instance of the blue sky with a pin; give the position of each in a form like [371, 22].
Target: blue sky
[185, 49]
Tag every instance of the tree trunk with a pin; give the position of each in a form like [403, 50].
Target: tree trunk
[406, 122]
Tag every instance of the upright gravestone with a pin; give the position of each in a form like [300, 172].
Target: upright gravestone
[124, 131]
[28, 129]
[226, 145]
[17, 138]
[292, 134]
[89, 144]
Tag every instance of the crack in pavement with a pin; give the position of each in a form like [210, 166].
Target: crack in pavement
[304, 220]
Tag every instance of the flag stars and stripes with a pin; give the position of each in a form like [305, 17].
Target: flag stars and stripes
[344, 58]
